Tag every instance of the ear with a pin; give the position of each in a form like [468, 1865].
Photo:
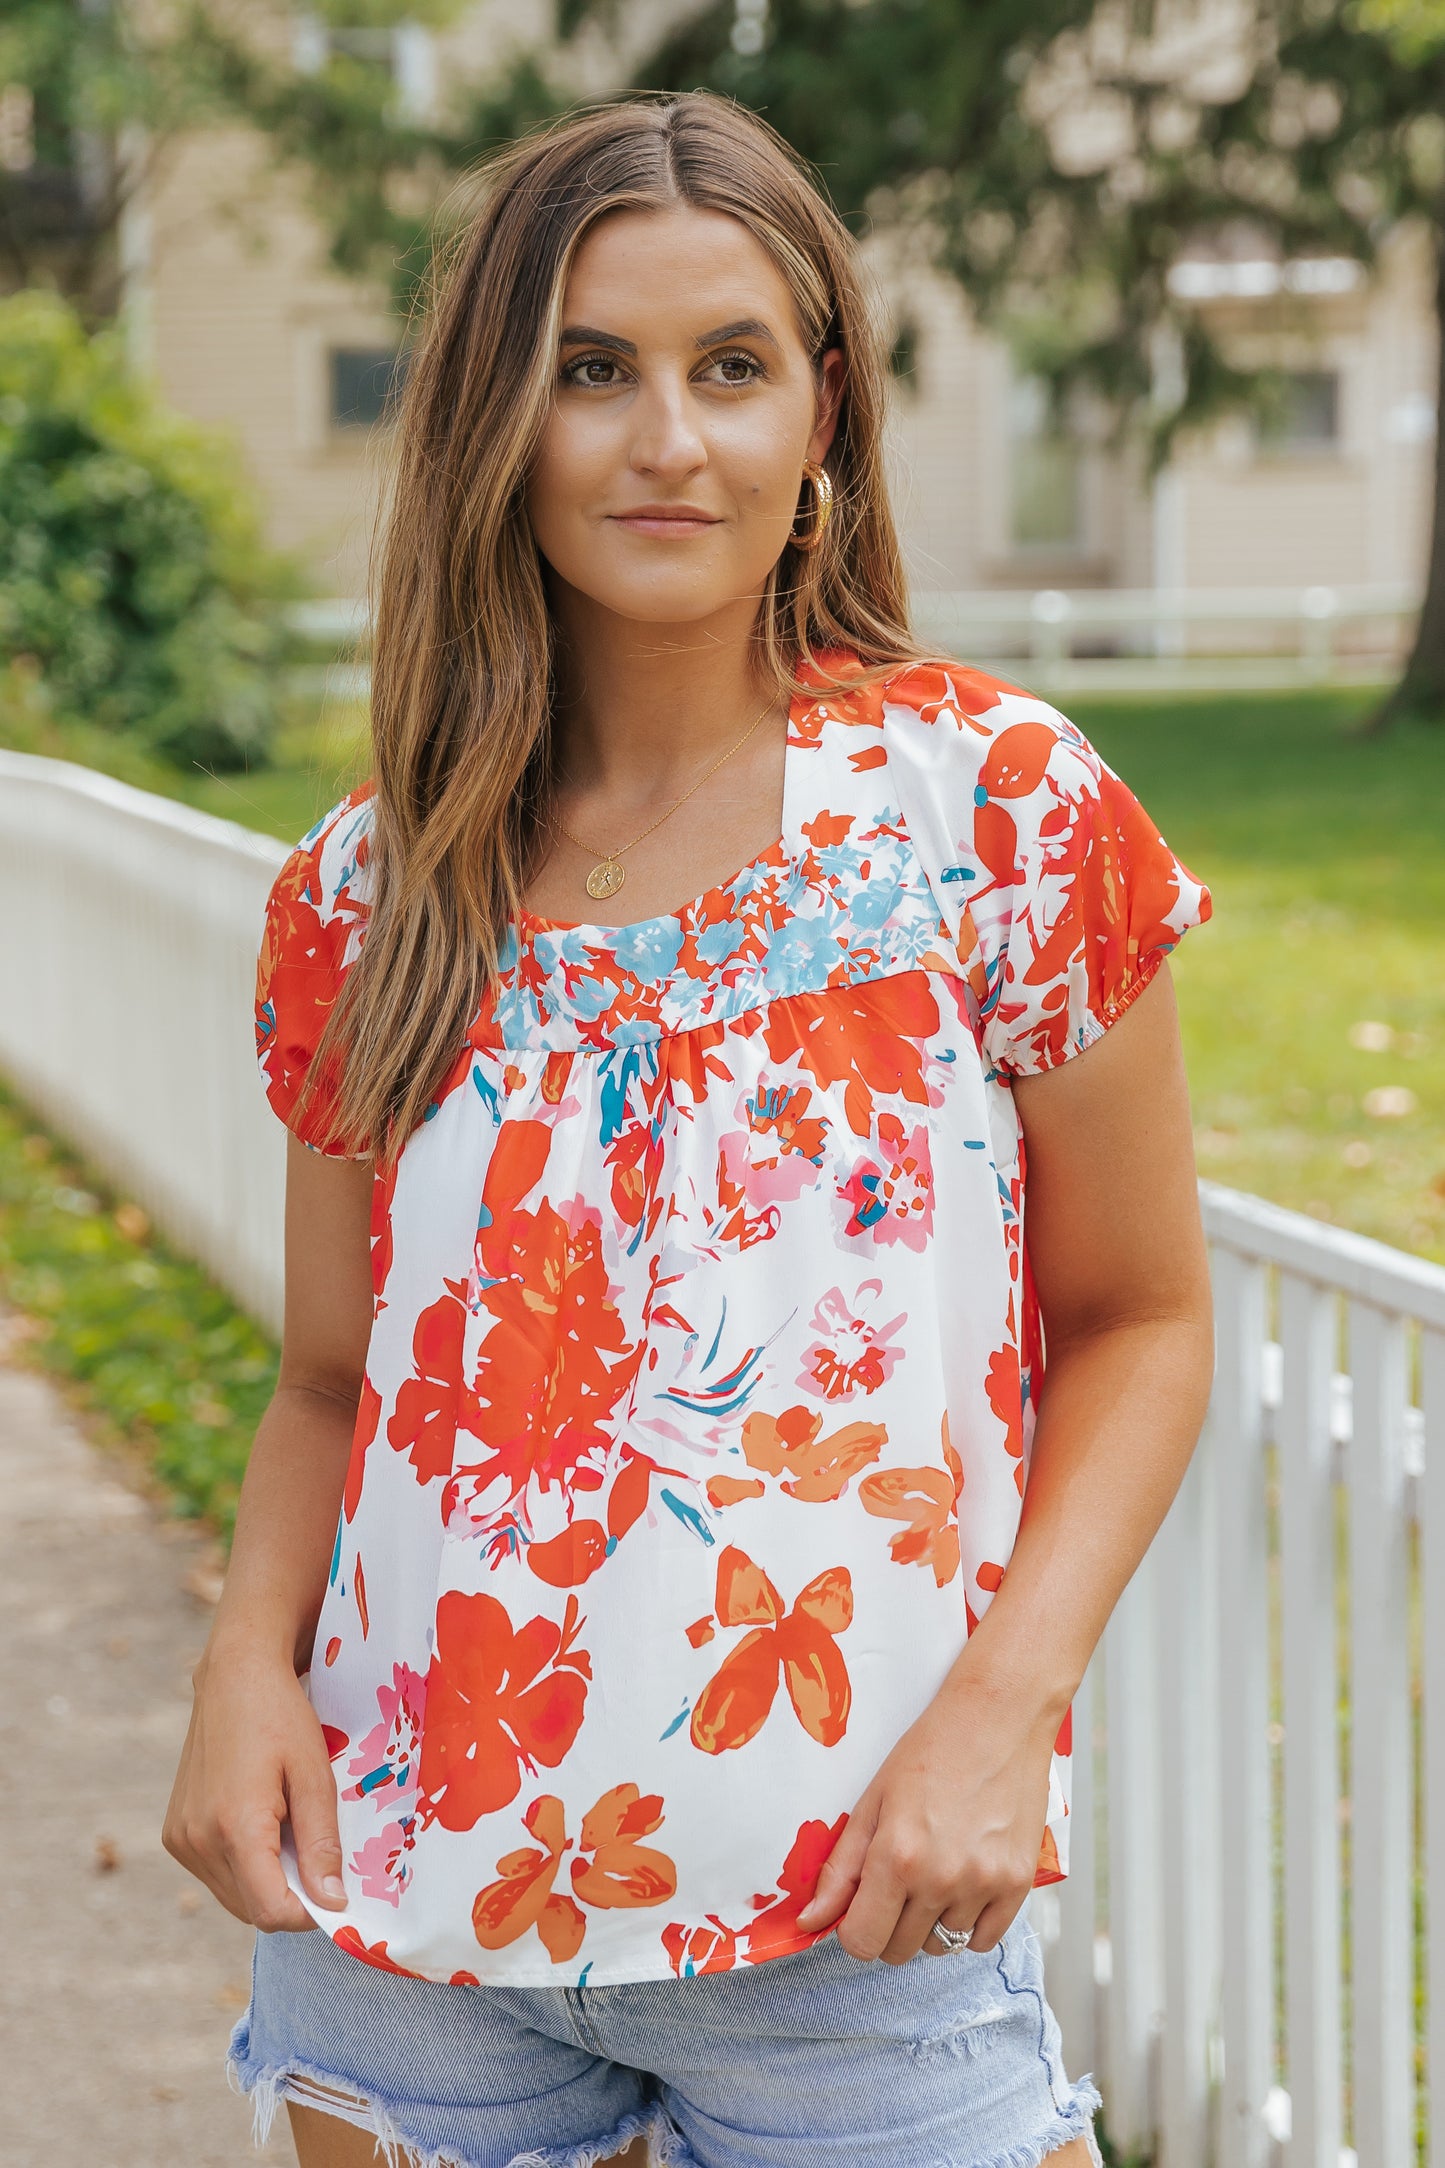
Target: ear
[832, 372]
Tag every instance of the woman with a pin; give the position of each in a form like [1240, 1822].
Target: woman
[639, 1623]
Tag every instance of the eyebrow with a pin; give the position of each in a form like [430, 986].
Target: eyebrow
[587, 335]
[746, 327]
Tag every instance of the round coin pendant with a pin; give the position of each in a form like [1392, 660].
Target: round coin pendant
[605, 880]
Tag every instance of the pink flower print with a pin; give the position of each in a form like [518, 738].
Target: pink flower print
[777, 1156]
[385, 1761]
[890, 1195]
[850, 1353]
[383, 1865]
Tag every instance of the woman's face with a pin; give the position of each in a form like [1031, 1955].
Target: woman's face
[668, 475]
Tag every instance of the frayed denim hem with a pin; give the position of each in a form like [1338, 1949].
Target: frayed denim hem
[1075, 2119]
[268, 2087]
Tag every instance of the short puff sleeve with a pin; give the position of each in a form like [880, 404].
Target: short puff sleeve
[315, 923]
[1060, 892]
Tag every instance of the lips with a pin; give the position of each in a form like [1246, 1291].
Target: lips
[665, 519]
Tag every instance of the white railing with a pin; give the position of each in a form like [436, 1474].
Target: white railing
[129, 927]
[1200, 635]
[1197, 638]
[1293, 1602]
[126, 970]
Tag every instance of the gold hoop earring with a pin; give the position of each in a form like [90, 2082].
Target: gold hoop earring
[822, 483]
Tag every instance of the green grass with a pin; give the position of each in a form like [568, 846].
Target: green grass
[179, 1376]
[318, 754]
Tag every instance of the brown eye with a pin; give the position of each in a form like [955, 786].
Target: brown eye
[738, 368]
[593, 368]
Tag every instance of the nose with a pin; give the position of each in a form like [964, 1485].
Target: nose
[666, 440]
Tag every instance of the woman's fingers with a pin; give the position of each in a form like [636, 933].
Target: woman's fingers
[914, 1928]
[871, 1919]
[311, 1790]
[253, 1855]
[838, 1875]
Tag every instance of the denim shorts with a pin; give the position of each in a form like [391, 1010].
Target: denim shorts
[801, 2061]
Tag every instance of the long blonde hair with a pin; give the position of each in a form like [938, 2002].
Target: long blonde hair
[463, 641]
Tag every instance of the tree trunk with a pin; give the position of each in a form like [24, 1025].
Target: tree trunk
[1421, 690]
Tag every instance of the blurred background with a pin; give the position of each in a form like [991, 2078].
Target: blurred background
[1162, 284]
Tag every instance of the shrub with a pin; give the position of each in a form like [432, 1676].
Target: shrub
[131, 565]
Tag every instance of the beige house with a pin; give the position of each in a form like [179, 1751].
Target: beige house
[234, 310]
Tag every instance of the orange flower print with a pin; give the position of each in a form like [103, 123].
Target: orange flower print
[368, 1415]
[926, 1500]
[558, 1360]
[523, 1895]
[551, 1370]
[618, 1872]
[383, 1198]
[733, 1707]
[371, 1953]
[1004, 1386]
[712, 1947]
[850, 1352]
[866, 1037]
[773, 1930]
[423, 1424]
[499, 1699]
[814, 1467]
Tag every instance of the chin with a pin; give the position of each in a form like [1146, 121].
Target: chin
[685, 604]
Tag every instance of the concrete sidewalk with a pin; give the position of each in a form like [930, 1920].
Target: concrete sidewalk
[122, 1976]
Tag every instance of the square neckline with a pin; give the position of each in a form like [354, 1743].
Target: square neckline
[776, 854]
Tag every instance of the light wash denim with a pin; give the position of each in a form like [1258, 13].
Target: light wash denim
[815, 2060]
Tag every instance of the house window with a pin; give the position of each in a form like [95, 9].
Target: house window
[1045, 497]
[364, 382]
[1306, 417]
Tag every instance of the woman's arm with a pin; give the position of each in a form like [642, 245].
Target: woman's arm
[254, 1754]
[951, 1825]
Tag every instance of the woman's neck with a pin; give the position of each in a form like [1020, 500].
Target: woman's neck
[641, 707]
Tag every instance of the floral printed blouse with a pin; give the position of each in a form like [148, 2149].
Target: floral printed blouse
[701, 1380]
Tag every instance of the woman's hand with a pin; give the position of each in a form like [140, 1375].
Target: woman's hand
[254, 1757]
[949, 1828]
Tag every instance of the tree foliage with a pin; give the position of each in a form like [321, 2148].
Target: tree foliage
[131, 573]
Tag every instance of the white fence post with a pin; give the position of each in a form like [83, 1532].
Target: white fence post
[1135, 2003]
[1185, 1628]
[1234, 1442]
[1307, 1324]
[1432, 1599]
[1381, 1875]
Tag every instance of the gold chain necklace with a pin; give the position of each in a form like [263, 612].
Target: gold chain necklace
[607, 876]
